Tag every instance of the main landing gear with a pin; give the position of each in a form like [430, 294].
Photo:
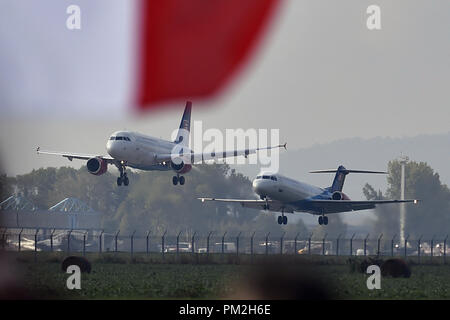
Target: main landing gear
[178, 178]
[123, 178]
[282, 219]
[323, 220]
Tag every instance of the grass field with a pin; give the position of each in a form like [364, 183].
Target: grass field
[117, 276]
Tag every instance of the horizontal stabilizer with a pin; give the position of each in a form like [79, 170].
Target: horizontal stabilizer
[346, 171]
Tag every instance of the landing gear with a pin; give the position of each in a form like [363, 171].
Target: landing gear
[123, 178]
[282, 219]
[178, 178]
[323, 220]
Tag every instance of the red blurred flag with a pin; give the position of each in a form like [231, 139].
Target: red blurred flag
[190, 48]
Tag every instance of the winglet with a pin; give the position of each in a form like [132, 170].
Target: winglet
[284, 146]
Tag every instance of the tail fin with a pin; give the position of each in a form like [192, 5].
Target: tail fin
[339, 178]
[185, 126]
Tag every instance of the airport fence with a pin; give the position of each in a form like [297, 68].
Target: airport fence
[256, 243]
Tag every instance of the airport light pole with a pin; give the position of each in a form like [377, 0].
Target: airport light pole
[403, 161]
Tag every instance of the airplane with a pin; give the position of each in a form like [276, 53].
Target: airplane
[281, 194]
[138, 151]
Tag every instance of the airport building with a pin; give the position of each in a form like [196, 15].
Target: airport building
[18, 212]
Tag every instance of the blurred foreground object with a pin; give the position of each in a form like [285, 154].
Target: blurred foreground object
[123, 54]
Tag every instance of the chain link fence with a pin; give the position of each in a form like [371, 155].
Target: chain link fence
[257, 243]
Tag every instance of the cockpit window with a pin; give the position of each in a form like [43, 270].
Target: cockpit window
[273, 178]
[266, 177]
[120, 138]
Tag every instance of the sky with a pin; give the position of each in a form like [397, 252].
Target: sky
[318, 76]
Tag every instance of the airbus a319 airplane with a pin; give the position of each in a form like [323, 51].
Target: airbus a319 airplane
[282, 194]
[134, 150]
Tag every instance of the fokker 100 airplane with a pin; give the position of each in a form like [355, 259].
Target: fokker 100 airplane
[134, 150]
[281, 194]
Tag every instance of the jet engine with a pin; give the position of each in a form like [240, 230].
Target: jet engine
[181, 167]
[97, 166]
[337, 195]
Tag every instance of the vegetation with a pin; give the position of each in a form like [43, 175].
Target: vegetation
[119, 277]
[430, 217]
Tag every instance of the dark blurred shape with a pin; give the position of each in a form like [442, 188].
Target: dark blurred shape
[395, 268]
[83, 263]
[283, 281]
[191, 48]
[362, 265]
[11, 280]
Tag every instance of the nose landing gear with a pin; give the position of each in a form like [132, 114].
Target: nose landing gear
[123, 178]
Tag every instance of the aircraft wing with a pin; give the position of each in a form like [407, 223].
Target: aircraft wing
[71, 156]
[331, 206]
[255, 204]
[196, 158]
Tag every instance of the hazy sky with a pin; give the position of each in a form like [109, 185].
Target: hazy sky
[319, 75]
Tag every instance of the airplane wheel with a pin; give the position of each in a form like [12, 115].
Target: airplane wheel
[284, 220]
[182, 180]
[175, 180]
[126, 181]
[325, 220]
[320, 220]
[280, 219]
[119, 181]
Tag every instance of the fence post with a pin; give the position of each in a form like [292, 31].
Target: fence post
[68, 240]
[251, 245]
[432, 243]
[281, 243]
[392, 245]
[267, 243]
[146, 241]
[365, 244]
[337, 244]
[20, 239]
[378, 245]
[193, 242]
[445, 249]
[100, 241]
[351, 245]
[237, 243]
[309, 243]
[35, 244]
[406, 245]
[132, 243]
[4, 238]
[223, 242]
[323, 243]
[84, 242]
[418, 248]
[207, 243]
[178, 242]
[115, 240]
[295, 243]
[162, 243]
[51, 240]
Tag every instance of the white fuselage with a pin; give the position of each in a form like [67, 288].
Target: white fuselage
[137, 150]
[283, 189]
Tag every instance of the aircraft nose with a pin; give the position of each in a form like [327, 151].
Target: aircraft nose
[258, 186]
[111, 148]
